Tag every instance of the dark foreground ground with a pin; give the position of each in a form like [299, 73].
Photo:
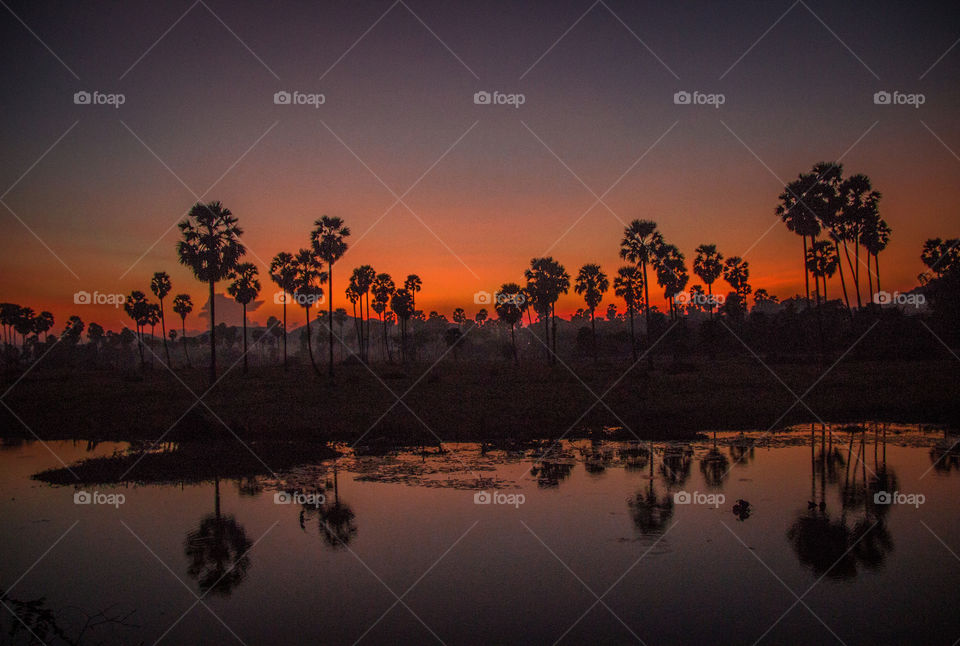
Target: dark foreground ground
[492, 402]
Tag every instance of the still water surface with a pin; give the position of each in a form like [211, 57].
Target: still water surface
[596, 520]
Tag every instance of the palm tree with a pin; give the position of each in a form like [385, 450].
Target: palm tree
[858, 206]
[283, 272]
[354, 296]
[211, 248]
[480, 317]
[546, 280]
[308, 276]
[822, 262]
[640, 240]
[708, 266]
[23, 325]
[671, 273]
[413, 284]
[592, 283]
[329, 246]
[628, 285]
[137, 308]
[217, 551]
[244, 288]
[737, 272]
[382, 288]
[799, 217]
[160, 286]
[402, 305]
[182, 305]
[509, 300]
[876, 236]
[459, 316]
[361, 280]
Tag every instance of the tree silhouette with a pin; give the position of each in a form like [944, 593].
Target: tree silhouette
[402, 305]
[508, 306]
[822, 263]
[640, 240]
[628, 285]
[708, 266]
[138, 308]
[592, 283]
[211, 248]
[671, 273]
[217, 551]
[546, 280]
[308, 276]
[361, 281]
[799, 217]
[283, 273]
[182, 305]
[160, 286]
[383, 289]
[244, 288]
[329, 245]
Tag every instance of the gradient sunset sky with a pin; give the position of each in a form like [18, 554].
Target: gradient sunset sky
[91, 194]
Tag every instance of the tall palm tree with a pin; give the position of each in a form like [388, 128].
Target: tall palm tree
[640, 240]
[402, 305]
[592, 283]
[413, 284]
[509, 300]
[211, 248]
[671, 273]
[799, 217]
[160, 286]
[182, 305]
[628, 285]
[244, 288]
[352, 293]
[329, 245]
[362, 278]
[23, 325]
[736, 271]
[383, 289]
[876, 236]
[308, 276]
[822, 263]
[283, 272]
[546, 280]
[708, 266]
[137, 308]
[859, 205]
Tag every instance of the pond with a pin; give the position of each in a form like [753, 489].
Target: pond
[818, 535]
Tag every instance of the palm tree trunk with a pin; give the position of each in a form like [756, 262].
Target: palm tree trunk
[806, 274]
[284, 330]
[513, 342]
[553, 330]
[870, 291]
[633, 335]
[330, 320]
[213, 337]
[183, 328]
[710, 298]
[593, 327]
[856, 274]
[366, 354]
[843, 282]
[309, 342]
[244, 338]
[876, 264]
[546, 333]
[646, 312]
[163, 328]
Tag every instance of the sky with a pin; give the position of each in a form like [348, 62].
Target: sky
[429, 181]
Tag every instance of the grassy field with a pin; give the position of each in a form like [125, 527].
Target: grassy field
[474, 401]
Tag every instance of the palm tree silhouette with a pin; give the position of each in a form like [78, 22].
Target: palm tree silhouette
[244, 288]
[822, 263]
[217, 551]
[799, 217]
[858, 206]
[211, 248]
[402, 305]
[182, 305]
[546, 280]
[329, 246]
[361, 280]
[383, 289]
[413, 284]
[283, 273]
[736, 271]
[671, 273]
[640, 241]
[160, 286]
[708, 266]
[137, 308]
[628, 285]
[593, 284]
[876, 236]
[308, 276]
[508, 305]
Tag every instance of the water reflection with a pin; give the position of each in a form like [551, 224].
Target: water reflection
[217, 551]
[651, 512]
[335, 520]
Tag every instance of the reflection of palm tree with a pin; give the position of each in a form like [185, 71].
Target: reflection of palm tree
[676, 463]
[651, 513]
[335, 521]
[714, 466]
[217, 550]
